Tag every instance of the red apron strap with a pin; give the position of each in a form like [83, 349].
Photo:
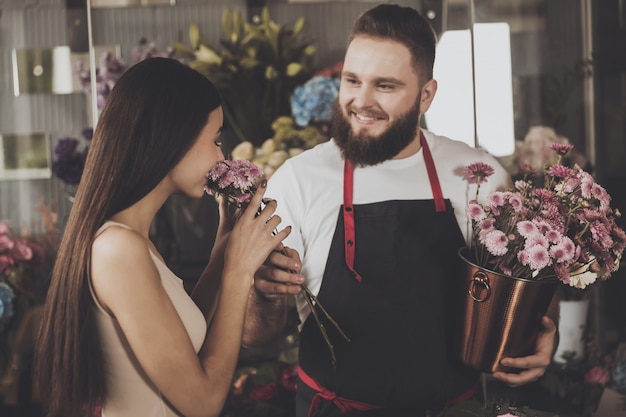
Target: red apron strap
[466, 395]
[435, 186]
[344, 404]
[348, 209]
[348, 217]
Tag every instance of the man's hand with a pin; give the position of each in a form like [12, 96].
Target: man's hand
[533, 366]
[280, 274]
[266, 312]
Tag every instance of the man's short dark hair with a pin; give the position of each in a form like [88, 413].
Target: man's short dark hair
[404, 25]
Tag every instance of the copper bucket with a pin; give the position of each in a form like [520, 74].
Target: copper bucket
[502, 316]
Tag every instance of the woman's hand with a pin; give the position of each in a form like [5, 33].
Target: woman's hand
[252, 237]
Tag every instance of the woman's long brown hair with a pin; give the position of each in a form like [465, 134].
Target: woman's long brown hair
[152, 117]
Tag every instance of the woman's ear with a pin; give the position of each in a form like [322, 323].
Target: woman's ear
[428, 94]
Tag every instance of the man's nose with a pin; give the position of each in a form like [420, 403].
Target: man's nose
[363, 97]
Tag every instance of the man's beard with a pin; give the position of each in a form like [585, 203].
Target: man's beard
[363, 149]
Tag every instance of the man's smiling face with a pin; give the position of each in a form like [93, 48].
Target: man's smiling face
[379, 102]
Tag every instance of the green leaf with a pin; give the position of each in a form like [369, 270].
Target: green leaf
[227, 23]
[238, 23]
[249, 63]
[298, 26]
[208, 55]
[271, 73]
[194, 36]
[182, 50]
[310, 50]
[265, 15]
[293, 69]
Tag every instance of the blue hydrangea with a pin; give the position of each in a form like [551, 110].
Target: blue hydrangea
[313, 101]
[6, 303]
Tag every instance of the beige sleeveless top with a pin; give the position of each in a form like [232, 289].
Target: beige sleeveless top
[130, 392]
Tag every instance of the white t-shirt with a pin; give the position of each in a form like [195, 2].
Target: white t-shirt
[309, 192]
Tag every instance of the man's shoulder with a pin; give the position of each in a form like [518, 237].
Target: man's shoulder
[440, 143]
[326, 153]
[445, 148]
[316, 163]
[452, 155]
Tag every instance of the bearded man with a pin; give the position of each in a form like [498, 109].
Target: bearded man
[378, 215]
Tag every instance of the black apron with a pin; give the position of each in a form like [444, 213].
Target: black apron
[387, 283]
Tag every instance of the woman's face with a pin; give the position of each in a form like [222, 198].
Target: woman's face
[189, 175]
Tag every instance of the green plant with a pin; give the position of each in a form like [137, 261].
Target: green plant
[256, 69]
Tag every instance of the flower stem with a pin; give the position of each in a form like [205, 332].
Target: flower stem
[307, 293]
[321, 326]
[313, 302]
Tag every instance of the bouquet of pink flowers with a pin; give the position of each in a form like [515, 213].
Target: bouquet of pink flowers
[238, 181]
[564, 228]
[235, 180]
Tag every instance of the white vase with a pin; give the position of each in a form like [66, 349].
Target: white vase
[572, 324]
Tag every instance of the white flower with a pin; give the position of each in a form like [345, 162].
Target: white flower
[277, 158]
[268, 146]
[245, 150]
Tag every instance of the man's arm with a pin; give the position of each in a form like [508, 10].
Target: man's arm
[266, 312]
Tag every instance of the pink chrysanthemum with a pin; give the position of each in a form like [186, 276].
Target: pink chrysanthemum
[486, 224]
[496, 199]
[561, 148]
[526, 228]
[560, 171]
[475, 211]
[553, 236]
[538, 257]
[598, 192]
[477, 172]
[496, 242]
[521, 185]
[527, 169]
[537, 240]
[558, 253]
[547, 226]
[236, 180]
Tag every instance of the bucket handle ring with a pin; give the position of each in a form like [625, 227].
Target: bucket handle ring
[479, 279]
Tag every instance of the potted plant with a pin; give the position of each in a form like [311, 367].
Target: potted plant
[530, 238]
[256, 69]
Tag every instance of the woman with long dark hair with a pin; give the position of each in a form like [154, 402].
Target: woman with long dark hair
[119, 329]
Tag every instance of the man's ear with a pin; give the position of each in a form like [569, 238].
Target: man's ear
[428, 94]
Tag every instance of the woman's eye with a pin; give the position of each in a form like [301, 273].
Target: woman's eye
[218, 143]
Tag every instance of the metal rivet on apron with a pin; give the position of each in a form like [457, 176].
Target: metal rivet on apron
[350, 243]
[348, 208]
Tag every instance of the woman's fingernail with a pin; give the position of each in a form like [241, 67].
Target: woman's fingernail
[263, 183]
